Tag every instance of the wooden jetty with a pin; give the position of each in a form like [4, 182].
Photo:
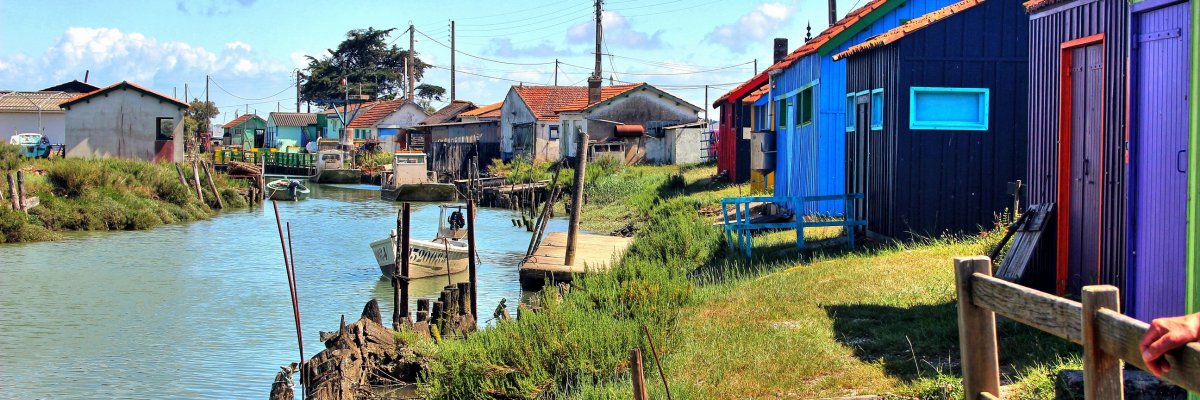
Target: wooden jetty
[592, 253]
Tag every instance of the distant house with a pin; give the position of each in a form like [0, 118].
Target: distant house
[618, 122]
[22, 112]
[456, 138]
[290, 132]
[540, 122]
[125, 121]
[490, 112]
[388, 122]
[246, 131]
[75, 87]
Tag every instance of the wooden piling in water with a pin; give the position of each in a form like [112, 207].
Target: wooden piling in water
[208, 174]
[21, 190]
[422, 310]
[402, 259]
[12, 192]
[471, 268]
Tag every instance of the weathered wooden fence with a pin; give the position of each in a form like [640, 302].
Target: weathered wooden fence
[1107, 336]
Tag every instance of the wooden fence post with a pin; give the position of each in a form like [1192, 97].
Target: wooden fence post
[1102, 375]
[208, 173]
[12, 192]
[638, 374]
[976, 332]
[21, 190]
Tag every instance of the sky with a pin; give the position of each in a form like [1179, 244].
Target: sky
[252, 48]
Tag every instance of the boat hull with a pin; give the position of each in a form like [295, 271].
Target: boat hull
[337, 176]
[422, 192]
[278, 190]
[426, 259]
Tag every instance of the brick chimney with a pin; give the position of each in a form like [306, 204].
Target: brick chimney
[594, 89]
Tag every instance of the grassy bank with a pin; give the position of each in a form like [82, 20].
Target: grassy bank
[879, 320]
[91, 195]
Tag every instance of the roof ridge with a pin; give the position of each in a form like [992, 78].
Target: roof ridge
[892, 35]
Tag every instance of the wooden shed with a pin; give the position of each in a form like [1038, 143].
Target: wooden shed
[1157, 158]
[1077, 86]
[733, 132]
[938, 110]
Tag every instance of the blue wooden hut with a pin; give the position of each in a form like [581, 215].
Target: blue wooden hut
[808, 94]
[1158, 150]
[938, 111]
[1077, 98]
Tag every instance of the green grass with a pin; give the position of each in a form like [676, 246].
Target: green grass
[784, 324]
[89, 195]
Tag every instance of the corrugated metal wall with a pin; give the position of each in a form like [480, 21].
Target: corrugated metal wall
[811, 160]
[733, 151]
[930, 182]
[1048, 30]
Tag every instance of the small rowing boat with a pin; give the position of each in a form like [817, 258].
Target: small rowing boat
[287, 190]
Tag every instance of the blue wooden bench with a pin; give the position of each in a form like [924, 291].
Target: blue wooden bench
[738, 226]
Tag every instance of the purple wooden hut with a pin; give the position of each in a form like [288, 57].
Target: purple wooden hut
[1077, 85]
[1157, 164]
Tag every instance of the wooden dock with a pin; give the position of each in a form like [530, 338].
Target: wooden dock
[592, 253]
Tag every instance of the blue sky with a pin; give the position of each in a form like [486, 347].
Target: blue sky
[252, 47]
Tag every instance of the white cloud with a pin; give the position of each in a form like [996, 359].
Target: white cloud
[504, 47]
[763, 21]
[618, 32]
[112, 55]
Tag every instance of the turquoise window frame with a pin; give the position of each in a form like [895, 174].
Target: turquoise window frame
[877, 109]
[805, 109]
[979, 123]
[850, 101]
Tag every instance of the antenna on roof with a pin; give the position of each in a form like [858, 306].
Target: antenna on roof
[86, 72]
[808, 32]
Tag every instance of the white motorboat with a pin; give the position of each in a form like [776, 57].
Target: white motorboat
[444, 254]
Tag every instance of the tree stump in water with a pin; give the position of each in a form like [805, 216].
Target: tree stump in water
[357, 357]
[284, 388]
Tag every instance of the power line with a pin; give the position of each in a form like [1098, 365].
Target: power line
[479, 57]
[248, 99]
[575, 21]
[646, 6]
[491, 77]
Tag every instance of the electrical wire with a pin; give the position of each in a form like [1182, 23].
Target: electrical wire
[479, 57]
[491, 77]
[248, 99]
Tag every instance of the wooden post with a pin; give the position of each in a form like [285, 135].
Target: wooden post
[657, 361]
[639, 375]
[402, 259]
[471, 267]
[576, 198]
[464, 298]
[976, 331]
[422, 310]
[208, 174]
[196, 176]
[182, 180]
[21, 190]
[435, 313]
[12, 192]
[1102, 375]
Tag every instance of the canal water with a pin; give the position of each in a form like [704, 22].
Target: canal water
[202, 310]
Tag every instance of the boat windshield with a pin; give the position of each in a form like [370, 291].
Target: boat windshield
[26, 139]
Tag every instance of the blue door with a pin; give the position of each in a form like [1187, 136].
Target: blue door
[1158, 163]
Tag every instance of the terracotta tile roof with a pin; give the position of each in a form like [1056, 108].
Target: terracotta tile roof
[913, 25]
[606, 93]
[758, 81]
[43, 101]
[544, 101]
[449, 113]
[755, 95]
[374, 112]
[292, 119]
[120, 85]
[488, 111]
[237, 121]
[1034, 5]
[832, 31]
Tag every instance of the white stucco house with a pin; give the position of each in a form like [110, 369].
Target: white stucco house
[35, 112]
[388, 122]
[125, 121]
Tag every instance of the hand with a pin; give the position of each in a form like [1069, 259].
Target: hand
[1166, 334]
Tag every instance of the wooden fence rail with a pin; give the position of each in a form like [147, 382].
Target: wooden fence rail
[1108, 337]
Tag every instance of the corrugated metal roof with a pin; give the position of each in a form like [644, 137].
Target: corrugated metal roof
[32, 101]
[292, 119]
[449, 113]
[906, 28]
[121, 85]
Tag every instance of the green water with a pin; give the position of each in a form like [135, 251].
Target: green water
[202, 310]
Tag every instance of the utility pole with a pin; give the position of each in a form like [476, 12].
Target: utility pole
[596, 78]
[706, 105]
[555, 72]
[207, 118]
[297, 91]
[452, 70]
[756, 66]
[408, 64]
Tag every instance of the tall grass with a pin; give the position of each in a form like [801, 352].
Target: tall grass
[86, 195]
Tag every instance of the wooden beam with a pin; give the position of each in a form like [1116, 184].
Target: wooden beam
[1048, 313]
[1119, 335]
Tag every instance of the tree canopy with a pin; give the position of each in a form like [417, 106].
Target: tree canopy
[194, 117]
[371, 65]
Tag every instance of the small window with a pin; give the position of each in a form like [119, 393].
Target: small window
[165, 129]
[780, 114]
[553, 134]
[959, 109]
[806, 107]
[850, 109]
[877, 109]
